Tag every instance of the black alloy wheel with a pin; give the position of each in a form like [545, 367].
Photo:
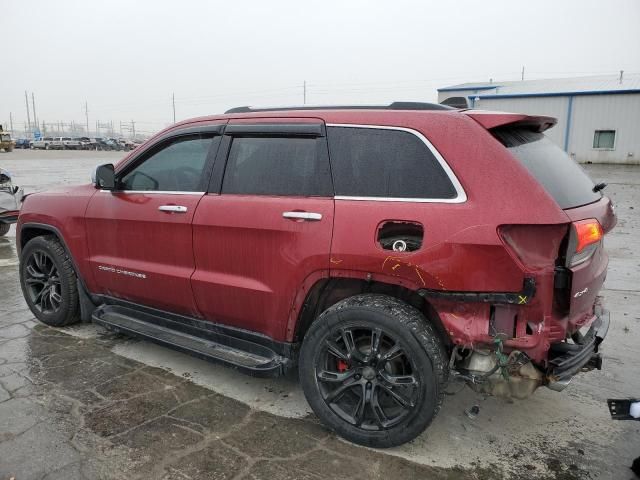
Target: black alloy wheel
[49, 283]
[43, 282]
[374, 370]
[366, 378]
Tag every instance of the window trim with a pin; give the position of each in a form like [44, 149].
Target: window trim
[216, 130]
[605, 149]
[152, 192]
[461, 195]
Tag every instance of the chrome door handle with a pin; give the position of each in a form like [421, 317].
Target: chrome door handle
[172, 208]
[309, 216]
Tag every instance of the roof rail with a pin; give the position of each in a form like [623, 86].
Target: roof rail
[391, 106]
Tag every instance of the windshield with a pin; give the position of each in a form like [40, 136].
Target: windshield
[5, 137]
[558, 173]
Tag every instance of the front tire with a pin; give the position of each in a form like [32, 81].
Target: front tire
[374, 370]
[4, 229]
[49, 282]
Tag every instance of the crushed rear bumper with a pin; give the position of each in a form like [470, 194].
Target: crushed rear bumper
[567, 359]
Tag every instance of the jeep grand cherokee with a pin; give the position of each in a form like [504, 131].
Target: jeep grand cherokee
[382, 251]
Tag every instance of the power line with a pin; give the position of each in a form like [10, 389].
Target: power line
[86, 115]
[26, 101]
[35, 117]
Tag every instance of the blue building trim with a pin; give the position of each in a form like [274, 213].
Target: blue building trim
[556, 94]
[462, 89]
[567, 128]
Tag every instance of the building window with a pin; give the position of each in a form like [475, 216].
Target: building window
[604, 139]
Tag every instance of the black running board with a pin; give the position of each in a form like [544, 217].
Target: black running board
[246, 356]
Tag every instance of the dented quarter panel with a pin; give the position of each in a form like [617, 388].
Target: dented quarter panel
[461, 250]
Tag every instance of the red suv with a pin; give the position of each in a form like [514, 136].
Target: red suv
[382, 251]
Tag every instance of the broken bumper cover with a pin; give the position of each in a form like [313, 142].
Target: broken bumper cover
[9, 217]
[571, 358]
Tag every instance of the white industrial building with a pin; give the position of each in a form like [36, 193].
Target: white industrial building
[598, 116]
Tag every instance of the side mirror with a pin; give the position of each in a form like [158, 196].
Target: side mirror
[104, 177]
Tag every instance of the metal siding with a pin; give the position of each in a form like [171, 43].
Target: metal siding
[550, 106]
[598, 83]
[606, 112]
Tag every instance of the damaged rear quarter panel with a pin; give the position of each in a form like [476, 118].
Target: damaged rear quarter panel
[461, 250]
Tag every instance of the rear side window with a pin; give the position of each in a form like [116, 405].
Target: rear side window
[558, 173]
[277, 166]
[375, 162]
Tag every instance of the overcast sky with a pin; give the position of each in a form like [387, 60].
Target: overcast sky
[126, 58]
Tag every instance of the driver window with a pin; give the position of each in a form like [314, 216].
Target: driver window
[177, 167]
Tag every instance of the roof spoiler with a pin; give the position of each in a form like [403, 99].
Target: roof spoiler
[491, 120]
[456, 102]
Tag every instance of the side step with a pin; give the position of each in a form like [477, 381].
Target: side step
[244, 355]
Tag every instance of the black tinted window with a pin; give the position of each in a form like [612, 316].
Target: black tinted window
[558, 173]
[176, 167]
[371, 162]
[277, 166]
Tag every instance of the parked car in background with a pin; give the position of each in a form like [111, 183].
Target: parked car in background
[100, 143]
[114, 144]
[85, 143]
[43, 143]
[23, 143]
[68, 143]
[126, 145]
[57, 143]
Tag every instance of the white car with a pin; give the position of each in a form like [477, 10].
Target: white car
[10, 201]
[65, 143]
[42, 143]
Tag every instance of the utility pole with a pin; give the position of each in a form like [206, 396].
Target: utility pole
[522, 77]
[86, 115]
[26, 101]
[11, 122]
[173, 102]
[133, 128]
[35, 117]
[304, 93]
[44, 129]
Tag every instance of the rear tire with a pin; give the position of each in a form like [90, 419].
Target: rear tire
[4, 229]
[374, 370]
[49, 282]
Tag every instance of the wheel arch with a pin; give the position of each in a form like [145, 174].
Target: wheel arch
[29, 231]
[326, 292]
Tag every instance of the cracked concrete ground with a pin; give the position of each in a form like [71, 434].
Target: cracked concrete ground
[83, 403]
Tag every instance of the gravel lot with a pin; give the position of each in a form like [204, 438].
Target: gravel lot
[84, 403]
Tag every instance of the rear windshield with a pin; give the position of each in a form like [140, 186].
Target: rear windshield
[558, 173]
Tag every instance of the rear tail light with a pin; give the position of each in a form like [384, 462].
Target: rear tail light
[585, 237]
[588, 232]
